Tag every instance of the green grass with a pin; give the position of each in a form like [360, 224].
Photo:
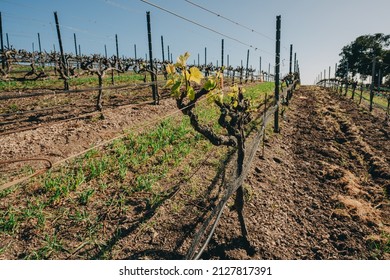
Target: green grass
[379, 247]
[31, 85]
[257, 93]
[12, 108]
[51, 244]
[378, 100]
[92, 80]
[9, 220]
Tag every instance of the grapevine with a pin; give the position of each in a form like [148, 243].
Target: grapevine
[235, 112]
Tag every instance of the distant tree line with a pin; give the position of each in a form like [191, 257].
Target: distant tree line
[367, 55]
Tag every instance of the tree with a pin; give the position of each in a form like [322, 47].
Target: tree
[360, 53]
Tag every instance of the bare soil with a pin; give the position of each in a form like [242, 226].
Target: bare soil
[67, 125]
[321, 191]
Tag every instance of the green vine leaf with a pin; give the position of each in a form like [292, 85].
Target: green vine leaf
[210, 84]
[182, 60]
[191, 93]
[171, 69]
[176, 89]
[195, 75]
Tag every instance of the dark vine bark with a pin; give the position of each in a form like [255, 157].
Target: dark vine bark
[233, 119]
[104, 65]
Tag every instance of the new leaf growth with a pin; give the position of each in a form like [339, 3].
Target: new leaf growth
[186, 87]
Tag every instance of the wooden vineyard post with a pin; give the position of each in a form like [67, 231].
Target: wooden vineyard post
[63, 61]
[75, 49]
[346, 81]
[264, 120]
[335, 82]
[2, 44]
[354, 84]
[269, 72]
[205, 56]
[291, 54]
[117, 66]
[295, 63]
[361, 93]
[324, 78]
[261, 78]
[162, 48]
[6, 36]
[40, 50]
[222, 52]
[117, 47]
[277, 70]
[372, 84]
[152, 73]
[247, 67]
[227, 63]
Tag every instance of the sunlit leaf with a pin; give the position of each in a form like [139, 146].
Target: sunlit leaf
[186, 74]
[209, 85]
[171, 69]
[195, 75]
[182, 60]
[169, 83]
[176, 89]
[191, 93]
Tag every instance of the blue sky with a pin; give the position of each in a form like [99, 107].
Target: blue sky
[317, 29]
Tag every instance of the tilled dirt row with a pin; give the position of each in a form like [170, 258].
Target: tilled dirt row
[320, 192]
[59, 140]
[28, 113]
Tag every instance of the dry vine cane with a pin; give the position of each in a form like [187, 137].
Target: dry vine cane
[100, 66]
[234, 114]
